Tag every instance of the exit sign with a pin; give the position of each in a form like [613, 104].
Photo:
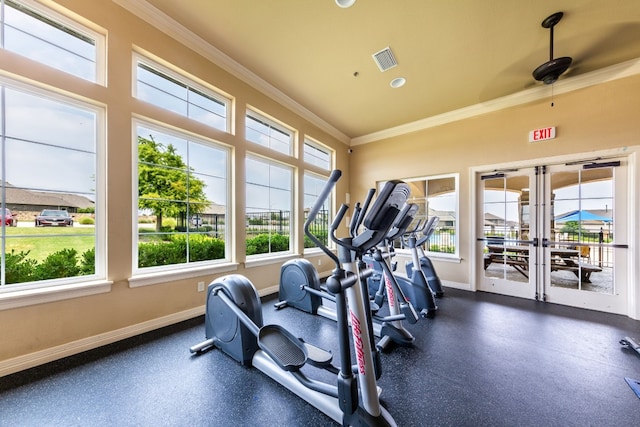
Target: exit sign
[542, 134]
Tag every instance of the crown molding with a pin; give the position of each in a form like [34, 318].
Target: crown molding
[169, 26]
[614, 72]
[172, 28]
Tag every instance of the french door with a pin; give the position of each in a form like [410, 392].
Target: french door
[555, 233]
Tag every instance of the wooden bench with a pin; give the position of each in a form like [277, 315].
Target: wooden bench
[580, 269]
[521, 264]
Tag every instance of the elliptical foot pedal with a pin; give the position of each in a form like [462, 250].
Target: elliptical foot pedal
[287, 351]
[317, 356]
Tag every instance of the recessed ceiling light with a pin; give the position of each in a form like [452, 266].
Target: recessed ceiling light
[398, 82]
[345, 3]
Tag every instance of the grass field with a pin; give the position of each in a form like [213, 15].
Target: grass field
[43, 241]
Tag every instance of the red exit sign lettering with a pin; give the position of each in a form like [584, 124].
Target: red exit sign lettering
[542, 134]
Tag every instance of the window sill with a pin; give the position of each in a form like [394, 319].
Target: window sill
[25, 297]
[163, 276]
[268, 260]
[434, 256]
[445, 258]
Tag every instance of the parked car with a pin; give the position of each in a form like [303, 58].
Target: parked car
[8, 218]
[196, 220]
[52, 217]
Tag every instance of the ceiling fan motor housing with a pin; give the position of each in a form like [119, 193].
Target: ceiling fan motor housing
[549, 72]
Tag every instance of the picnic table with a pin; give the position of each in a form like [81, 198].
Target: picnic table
[517, 256]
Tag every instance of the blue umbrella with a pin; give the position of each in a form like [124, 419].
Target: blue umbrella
[581, 216]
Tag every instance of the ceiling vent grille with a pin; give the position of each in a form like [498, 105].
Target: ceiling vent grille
[384, 59]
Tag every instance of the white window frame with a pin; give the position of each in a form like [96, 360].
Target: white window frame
[292, 214]
[274, 125]
[159, 274]
[187, 80]
[29, 293]
[313, 144]
[96, 34]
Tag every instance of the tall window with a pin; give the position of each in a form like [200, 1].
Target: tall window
[266, 132]
[269, 200]
[166, 89]
[49, 182]
[438, 196]
[182, 199]
[317, 154]
[313, 185]
[51, 39]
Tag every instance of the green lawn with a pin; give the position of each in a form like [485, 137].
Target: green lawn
[43, 241]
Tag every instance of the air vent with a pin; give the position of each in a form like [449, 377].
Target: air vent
[384, 59]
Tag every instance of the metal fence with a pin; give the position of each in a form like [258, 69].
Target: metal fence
[268, 222]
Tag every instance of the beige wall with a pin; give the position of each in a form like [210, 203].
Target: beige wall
[597, 118]
[55, 326]
[590, 119]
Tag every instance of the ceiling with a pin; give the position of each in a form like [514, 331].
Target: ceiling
[453, 54]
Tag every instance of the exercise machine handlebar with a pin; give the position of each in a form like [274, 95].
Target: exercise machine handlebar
[324, 195]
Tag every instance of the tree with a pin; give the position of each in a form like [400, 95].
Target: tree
[165, 183]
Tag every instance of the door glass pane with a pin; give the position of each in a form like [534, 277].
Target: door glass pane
[506, 223]
[581, 222]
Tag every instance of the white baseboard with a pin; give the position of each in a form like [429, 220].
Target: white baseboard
[269, 291]
[457, 285]
[31, 360]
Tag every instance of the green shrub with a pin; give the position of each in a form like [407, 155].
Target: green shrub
[88, 262]
[86, 220]
[322, 236]
[19, 268]
[202, 248]
[63, 263]
[174, 250]
[265, 243]
[169, 223]
[160, 253]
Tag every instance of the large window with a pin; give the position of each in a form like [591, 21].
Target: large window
[182, 199]
[266, 132]
[269, 194]
[166, 89]
[438, 196]
[50, 183]
[39, 34]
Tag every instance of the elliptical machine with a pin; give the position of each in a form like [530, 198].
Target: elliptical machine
[423, 260]
[233, 323]
[300, 288]
[415, 287]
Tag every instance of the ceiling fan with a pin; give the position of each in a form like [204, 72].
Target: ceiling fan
[549, 72]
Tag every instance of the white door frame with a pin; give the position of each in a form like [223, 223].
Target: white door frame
[633, 191]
